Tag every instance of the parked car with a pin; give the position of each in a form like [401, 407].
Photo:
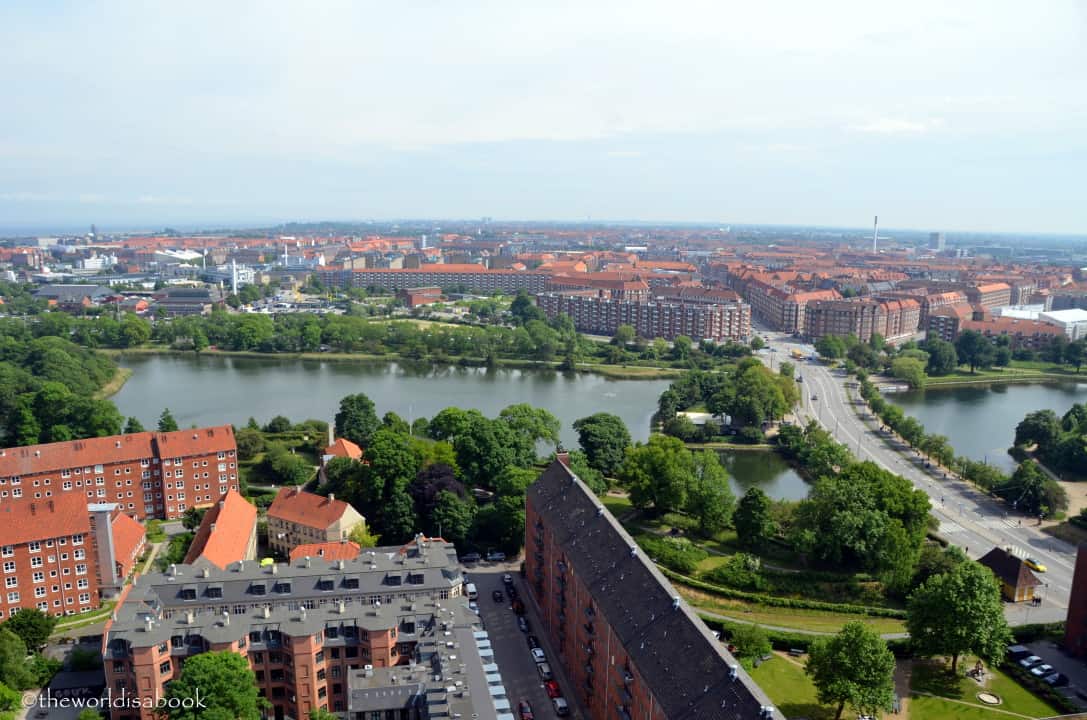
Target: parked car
[552, 689]
[1055, 679]
[544, 670]
[525, 710]
[1034, 565]
[507, 580]
[561, 708]
[496, 557]
[1041, 670]
[538, 655]
[471, 558]
[534, 642]
[1016, 652]
[522, 624]
[498, 596]
[1030, 661]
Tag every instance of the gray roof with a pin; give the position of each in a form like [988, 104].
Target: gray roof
[684, 666]
[72, 293]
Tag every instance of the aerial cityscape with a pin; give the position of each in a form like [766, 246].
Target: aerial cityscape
[618, 362]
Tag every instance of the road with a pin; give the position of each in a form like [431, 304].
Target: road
[968, 518]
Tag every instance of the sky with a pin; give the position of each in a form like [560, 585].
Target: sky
[968, 115]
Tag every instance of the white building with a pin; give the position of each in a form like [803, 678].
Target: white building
[1073, 322]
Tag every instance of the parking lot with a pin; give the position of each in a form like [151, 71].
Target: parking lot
[1074, 668]
[519, 675]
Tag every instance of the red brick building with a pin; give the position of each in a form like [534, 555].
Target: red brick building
[894, 319]
[227, 533]
[46, 556]
[1075, 627]
[628, 643]
[148, 474]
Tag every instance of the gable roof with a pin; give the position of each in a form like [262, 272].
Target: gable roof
[304, 508]
[1009, 568]
[346, 550]
[63, 514]
[344, 448]
[224, 532]
[683, 665]
[127, 536]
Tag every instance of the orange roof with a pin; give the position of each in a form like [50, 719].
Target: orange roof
[303, 508]
[127, 537]
[993, 287]
[344, 448]
[346, 550]
[64, 514]
[224, 533]
[50, 457]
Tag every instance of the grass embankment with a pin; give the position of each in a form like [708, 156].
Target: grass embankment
[616, 372]
[76, 622]
[1018, 371]
[114, 385]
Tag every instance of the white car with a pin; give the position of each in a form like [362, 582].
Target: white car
[1041, 670]
[1030, 661]
[538, 655]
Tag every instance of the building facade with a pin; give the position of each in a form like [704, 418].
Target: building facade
[629, 645]
[1075, 626]
[894, 319]
[148, 474]
[297, 517]
[306, 627]
[593, 313]
[475, 277]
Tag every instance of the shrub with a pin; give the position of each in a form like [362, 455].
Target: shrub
[741, 571]
[678, 554]
[750, 435]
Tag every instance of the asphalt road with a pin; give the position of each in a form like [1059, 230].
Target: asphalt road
[968, 518]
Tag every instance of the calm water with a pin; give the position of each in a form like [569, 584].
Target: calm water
[211, 391]
[767, 470]
[980, 420]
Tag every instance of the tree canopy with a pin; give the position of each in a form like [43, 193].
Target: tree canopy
[855, 668]
[222, 682]
[604, 438]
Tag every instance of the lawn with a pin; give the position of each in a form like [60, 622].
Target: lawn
[789, 688]
[793, 618]
[617, 505]
[931, 677]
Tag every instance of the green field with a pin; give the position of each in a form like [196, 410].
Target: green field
[789, 687]
[958, 696]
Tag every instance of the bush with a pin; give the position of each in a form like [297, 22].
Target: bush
[750, 435]
[750, 641]
[155, 533]
[741, 571]
[678, 554]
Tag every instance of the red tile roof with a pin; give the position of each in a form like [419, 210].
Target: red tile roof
[346, 550]
[303, 508]
[65, 514]
[51, 457]
[224, 533]
[344, 448]
[128, 536]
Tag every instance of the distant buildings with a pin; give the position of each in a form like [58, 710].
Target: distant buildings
[297, 517]
[74, 298]
[474, 277]
[628, 643]
[893, 319]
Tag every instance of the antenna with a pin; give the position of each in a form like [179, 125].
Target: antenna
[875, 236]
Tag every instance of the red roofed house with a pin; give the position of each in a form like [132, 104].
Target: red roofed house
[330, 551]
[227, 533]
[44, 548]
[298, 518]
[342, 448]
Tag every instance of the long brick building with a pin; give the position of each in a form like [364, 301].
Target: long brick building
[475, 277]
[668, 319]
[148, 474]
[630, 646]
[894, 319]
[354, 636]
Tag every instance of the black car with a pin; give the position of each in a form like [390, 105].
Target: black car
[497, 595]
[522, 624]
[533, 642]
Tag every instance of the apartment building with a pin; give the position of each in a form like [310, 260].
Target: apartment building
[117, 542]
[989, 295]
[782, 307]
[297, 517]
[475, 277]
[602, 315]
[894, 319]
[47, 556]
[342, 636]
[227, 533]
[1075, 627]
[147, 474]
[629, 644]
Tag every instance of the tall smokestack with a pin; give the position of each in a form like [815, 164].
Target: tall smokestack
[875, 235]
[233, 276]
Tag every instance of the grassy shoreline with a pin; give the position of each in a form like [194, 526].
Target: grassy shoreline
[115, 384]
[615, 372]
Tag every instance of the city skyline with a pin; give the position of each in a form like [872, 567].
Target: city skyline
[963, 118]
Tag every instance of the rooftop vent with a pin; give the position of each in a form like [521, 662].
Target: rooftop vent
[226, 618]
[733, 672]
[275, 569]
[117, 444]
[266, 611]
[766, 711]
[207, 572]
[633, 550]
[600, 511]
[675, 602]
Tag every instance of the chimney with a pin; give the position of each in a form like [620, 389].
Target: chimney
[266, 612]
[226, 617]
[331, 498]
[275, 569]
[302, 613]
[331, 435]
[173, 570]
[148, 624]
[342, 608]
[212, 528]
[207, 572]
[190, 617]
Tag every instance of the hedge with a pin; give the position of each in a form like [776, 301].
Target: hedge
[783, 640]
[774, 601]
[1037, 631]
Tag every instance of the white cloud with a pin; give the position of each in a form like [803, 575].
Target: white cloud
[625, 153]
[897, 126]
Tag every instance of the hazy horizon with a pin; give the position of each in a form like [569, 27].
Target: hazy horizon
[966, 117]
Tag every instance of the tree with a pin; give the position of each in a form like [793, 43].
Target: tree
[657, 474]
[167, 422]
[579, 465]
[974, 349]
[624, 335]
[909, 369]
[757, 343]
[11, 701]
[1041, 428]
[250, 443]
[830, 347]
[394, 422]
[532, 424]
[14, 670]
[1030, 490]
[361, 536]
[192, 518]
[681, 347]
[942, 357]
[392, 458]
[283, 466]
[319, 714]
[709, 498]
[863, 355]
[957, 612]
[89, 714]
[397, 519]
[132, 425]
[604, 438]
[752, 520]
[33, 626]
[452, 517]
[750, 641]
[1076, 353]
[215, 686]
[854, 667]
[278, 424]
[357, 419]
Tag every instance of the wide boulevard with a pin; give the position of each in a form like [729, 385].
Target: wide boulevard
[968, 517]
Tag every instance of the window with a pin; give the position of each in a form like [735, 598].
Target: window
[11, 582]
[9, 565]
[84, 598]
[38, 577]
[65, 473]
[82, 584]
[13, 597]
[77, 539]
[36, 561]
[17, 492]
[164, 667]
[34, 546]
[7, 551]
[39, 592]
[81, 569]
[67, 485]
